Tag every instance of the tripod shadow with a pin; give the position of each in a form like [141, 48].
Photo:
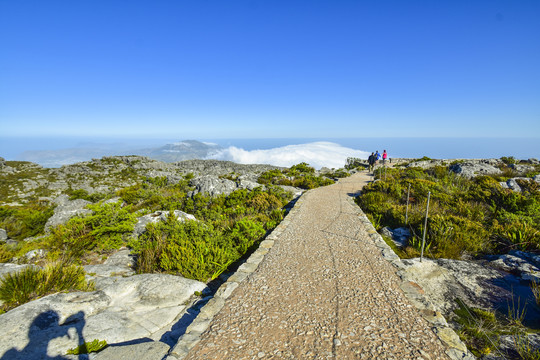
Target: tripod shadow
[43, 329]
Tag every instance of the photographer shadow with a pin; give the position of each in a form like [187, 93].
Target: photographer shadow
[46, 327]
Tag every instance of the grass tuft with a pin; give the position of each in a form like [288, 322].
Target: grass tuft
[32, 283]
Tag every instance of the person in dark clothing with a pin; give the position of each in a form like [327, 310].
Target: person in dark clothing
[371, 161]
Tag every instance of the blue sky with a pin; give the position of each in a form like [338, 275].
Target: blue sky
[255, 69]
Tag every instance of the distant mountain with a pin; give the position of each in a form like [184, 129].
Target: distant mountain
[183, 150]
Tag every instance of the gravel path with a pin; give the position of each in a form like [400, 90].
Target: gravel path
[322, 292]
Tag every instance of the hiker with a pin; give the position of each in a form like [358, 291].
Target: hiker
[384, 156]
[377, 156]
[371, 161]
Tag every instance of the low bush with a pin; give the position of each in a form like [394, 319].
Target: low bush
[301, 175]
[25, 221]
[227, 228]
[466, 216]
[104, 230]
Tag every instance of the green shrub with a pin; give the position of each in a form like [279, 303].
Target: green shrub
[450, 236]
[104, 230]
[302, 168]
[192, 249]
[301, 175]
[88, 347]
[521, 234]
[83, 194]
[25, 221]
[271, 177]
[32, 283]
[473, 216]
[509, 160]
[228, 226]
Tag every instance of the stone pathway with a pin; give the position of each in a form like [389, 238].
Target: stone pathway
[323, 291]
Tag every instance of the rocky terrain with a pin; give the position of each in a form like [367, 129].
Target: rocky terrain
[21, 182]
[156, 309]
[125, 307]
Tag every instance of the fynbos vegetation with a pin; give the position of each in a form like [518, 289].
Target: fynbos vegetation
[226, 228]
[466, 216]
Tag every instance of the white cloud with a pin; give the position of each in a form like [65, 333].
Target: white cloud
[316, 154]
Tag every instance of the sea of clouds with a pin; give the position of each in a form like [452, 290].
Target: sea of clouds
[317, 154]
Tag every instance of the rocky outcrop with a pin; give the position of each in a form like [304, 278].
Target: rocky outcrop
[111, 173]
[123, 309]
[66, 209]
[514, 183]
[212, 185]
[471, 169]
[444, 280]
[157, 216]
[522, 264]
[217, 167]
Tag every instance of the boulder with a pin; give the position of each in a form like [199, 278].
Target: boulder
[35, 254]
[212, 185]
[525, 265]
[471, 169]
[386, 231]
[65, 210]
[399, 236]
[123, 309]
[522, 169]
[533, 161]
[513, 185]
[249, 185]
[3, 235]
[142, 221]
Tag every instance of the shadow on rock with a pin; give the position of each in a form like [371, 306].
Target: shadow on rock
[43, 329]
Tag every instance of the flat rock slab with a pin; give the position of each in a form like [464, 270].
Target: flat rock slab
[323, 291]
[123, 310]
[152, 350]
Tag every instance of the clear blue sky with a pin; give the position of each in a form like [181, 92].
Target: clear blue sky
[252, 69]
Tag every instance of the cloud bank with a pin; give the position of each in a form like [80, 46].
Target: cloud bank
[317, 154]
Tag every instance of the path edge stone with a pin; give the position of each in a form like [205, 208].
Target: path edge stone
[204, 319]
[456, 349]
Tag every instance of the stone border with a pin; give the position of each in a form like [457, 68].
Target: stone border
[457, 350]
[201, 323]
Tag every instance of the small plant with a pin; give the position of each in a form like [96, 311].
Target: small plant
[88, 347]
[524, 348]
[479, 328]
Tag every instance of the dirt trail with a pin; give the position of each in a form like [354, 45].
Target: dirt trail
[322, 292]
